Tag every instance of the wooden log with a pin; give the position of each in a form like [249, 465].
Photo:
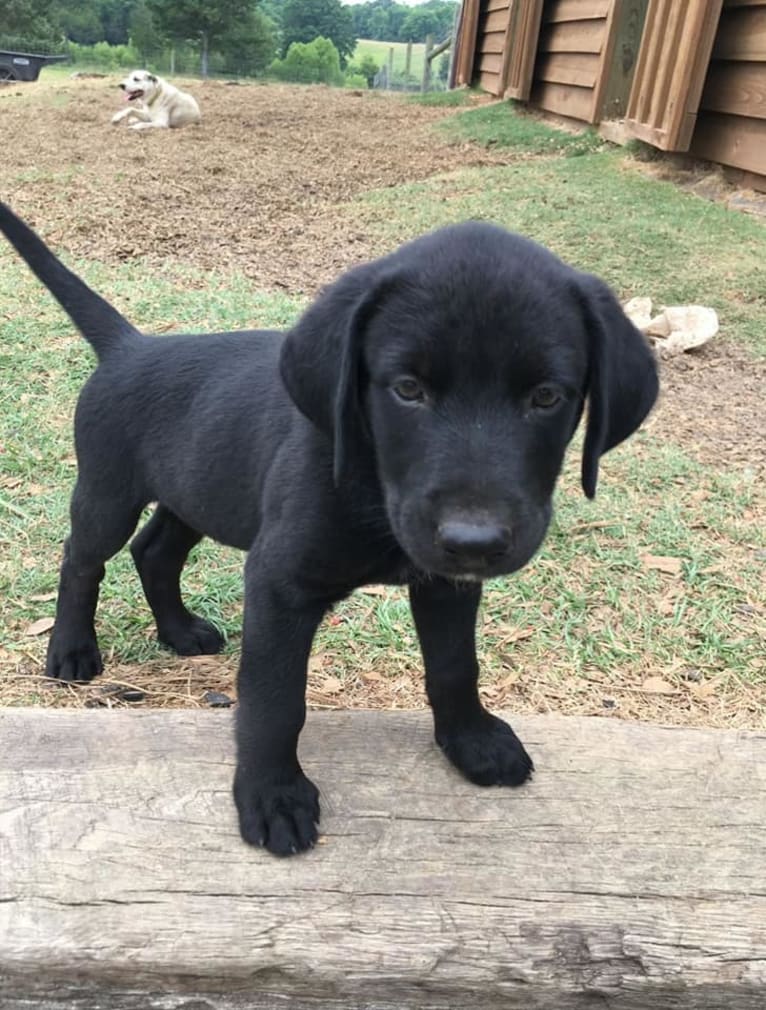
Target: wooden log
[631, 873]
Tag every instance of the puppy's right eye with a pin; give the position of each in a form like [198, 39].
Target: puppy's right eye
[409, 390]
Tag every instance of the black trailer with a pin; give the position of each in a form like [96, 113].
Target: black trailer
[24, 66]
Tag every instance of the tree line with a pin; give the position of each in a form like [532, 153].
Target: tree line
[250, 33]
[388, 21]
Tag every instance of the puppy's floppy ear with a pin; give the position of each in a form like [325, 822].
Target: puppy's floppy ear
[321, 359]
[622, 376]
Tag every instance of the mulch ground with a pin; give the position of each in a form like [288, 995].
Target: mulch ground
[255, 188]
[262, 188]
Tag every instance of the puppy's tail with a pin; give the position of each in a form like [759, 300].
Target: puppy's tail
[101, 325]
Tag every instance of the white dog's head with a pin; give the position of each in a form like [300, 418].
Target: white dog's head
[140, 84]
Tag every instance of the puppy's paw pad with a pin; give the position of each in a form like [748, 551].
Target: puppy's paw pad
[489, 754]
[280, 818]
[74, 663]
[197, 638]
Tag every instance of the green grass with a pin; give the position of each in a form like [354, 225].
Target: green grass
[499, 125]
[445, 99]
[600, 212]
[587, 611]
[596, 610]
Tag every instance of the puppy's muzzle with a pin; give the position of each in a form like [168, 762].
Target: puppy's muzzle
[473, 545]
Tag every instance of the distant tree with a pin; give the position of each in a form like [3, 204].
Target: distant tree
[367, 67]
[80, 23]
[143, 32]
[315, 62]
[115, 20]
[205, 20]
[272, 9]
[418, 24]
[389, 21]
[434, 18]
[250, 46]
[379, 19]
[305, 20]
[29, 19]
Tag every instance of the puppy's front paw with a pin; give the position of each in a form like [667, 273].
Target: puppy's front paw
[116, 118]
[71, 660]
[198, 637]
[487, 752]
[281, 818]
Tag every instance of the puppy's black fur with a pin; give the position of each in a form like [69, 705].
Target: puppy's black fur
[409, 428]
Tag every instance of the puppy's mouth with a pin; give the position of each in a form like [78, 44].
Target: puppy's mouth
[131, 96]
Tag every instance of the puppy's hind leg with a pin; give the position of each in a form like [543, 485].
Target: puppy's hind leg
[160, 551]
[97, 533]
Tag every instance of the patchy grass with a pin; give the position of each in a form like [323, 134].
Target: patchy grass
[500, 125]
[587, 623]
[649, 602]
[600, 213]
[445, 99]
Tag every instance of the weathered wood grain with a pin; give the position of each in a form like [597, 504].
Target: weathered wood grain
[631, 873]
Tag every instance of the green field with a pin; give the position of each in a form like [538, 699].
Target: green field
[379, 52]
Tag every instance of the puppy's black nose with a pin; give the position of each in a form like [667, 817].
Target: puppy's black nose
[473, 542]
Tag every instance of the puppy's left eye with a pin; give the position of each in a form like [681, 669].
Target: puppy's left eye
[545, 397]
[409, 390]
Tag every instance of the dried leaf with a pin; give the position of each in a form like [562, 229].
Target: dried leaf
[662, 563]
[656, 685]
[372, 675]
[517, 635]
[317, 662]
[43, 597]
[331, 685]
[704, 690]
[510, 680]
[40, 626]
[373, 590]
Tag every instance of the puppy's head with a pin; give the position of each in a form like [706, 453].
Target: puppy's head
[461, 364]
[139, 84]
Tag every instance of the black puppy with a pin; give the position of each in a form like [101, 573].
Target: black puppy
[409, 428]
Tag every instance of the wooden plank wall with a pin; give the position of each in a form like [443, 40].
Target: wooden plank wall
[571, 57]
[675, 53]
[731, 126]
[490, 45]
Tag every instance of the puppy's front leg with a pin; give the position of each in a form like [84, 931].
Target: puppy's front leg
[148, 122]
[278, 805]
[484, 748]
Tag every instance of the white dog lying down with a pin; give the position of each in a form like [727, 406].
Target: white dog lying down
[152, 101]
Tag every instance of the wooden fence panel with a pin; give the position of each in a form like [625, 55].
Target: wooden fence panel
[731, 126]
[466, 52]
[506, 44]
[674, 56]
[523, 33]
[574, 52]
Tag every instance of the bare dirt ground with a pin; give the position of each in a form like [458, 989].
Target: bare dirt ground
[258, 189]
